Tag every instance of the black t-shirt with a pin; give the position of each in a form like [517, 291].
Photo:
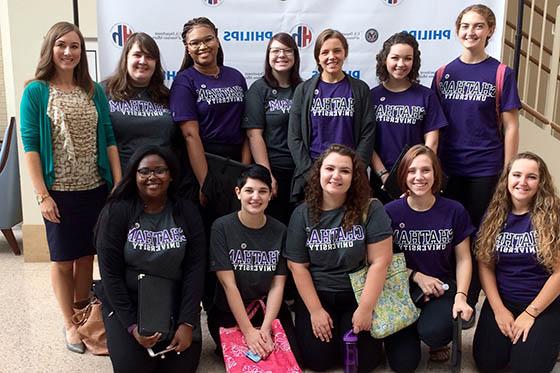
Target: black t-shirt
[254, 256]
[155, 245]
[268, 108]
[140, 121]
[331, 252]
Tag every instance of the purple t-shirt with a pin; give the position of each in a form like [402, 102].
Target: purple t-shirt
[403, 118]
[216, 103]
[519, 275]
[472, 144]
[428, 238]
[332, 116]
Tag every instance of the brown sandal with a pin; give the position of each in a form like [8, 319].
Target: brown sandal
[440, 355]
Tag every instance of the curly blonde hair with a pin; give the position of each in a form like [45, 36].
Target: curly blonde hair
[357, 196]
[544, 210]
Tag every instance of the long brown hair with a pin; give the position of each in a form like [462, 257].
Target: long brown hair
[357, 196]
[288, 41]
[544, 210]
[46, 70]
[119, 85]
[187, 27]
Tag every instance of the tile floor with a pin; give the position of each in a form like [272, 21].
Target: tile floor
[32, 339]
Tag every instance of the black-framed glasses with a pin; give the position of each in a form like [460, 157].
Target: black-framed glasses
[197, 43]
[145, 172]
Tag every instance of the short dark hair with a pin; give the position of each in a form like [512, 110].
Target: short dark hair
[288, 41]
[412, 153]
[257, 172]
[322, 38]
[402, 37]
[127, 189]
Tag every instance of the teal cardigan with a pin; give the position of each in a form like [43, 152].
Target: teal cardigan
[35, 128]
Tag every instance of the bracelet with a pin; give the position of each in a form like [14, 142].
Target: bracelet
[535, 308]
[460, 292]
[382, 172]
[534, 317]
[411, 277]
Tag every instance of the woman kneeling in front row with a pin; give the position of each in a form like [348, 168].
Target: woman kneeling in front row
[432, 231]
[327, 240]
[518, 254]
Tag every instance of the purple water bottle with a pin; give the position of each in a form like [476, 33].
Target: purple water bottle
[351, 352]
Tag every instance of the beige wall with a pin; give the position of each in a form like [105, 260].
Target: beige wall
[23, 25]
[540, 141]
[3, 105]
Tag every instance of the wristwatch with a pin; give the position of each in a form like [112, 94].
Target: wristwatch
[41, 197]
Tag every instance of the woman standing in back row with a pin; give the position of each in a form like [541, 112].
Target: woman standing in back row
[207, 102]
[483, 130]
[72, 160]
[330, 108]
[138, 99]
[267, 112]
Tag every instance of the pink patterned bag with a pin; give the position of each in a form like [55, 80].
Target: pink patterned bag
[234, 348]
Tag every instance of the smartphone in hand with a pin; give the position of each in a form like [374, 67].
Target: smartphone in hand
[254, 357]
[161, 353]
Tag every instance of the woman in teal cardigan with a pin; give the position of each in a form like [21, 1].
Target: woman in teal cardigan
[72, 160]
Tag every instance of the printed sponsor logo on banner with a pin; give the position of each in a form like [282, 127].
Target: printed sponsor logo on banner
[120, 32]
[212, 2]
[247, 35]
[303, 35]
[351, 35]
[353, 73]
[392, 2]
[441, 34]
[372, 35]
[166, 35]
[169, 74]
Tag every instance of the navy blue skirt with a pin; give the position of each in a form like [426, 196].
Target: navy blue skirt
[73, 237]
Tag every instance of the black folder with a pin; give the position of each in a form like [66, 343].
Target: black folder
[391, 185]
[155, 305]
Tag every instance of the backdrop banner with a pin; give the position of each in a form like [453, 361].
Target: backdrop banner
[245, 26]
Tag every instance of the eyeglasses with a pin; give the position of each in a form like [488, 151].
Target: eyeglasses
[197, 43]
[288, 52]
[145, 172]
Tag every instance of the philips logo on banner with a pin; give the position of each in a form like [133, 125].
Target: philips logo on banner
[443, 34]
[212, 2]
[392, 2]
[303, 35]
[120, 32]
[247, 35]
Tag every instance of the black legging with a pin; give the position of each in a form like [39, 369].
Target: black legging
[494, 351]
[435, 324]
[474, 193]
[128, 356]
[403, 351]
